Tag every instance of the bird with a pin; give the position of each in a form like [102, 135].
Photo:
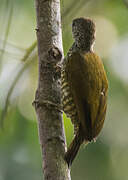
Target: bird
[84, 87]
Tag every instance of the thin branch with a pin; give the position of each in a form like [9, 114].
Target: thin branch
[47, 100]
[29, 51]
[7, 29]
[16, 79]
[10, 54]
[10, 44]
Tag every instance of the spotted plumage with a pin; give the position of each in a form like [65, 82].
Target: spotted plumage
[84, 87]
[68, 104]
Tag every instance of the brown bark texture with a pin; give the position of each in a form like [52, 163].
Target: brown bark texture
[47, 100]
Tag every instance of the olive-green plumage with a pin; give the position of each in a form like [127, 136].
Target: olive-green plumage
[84, 89]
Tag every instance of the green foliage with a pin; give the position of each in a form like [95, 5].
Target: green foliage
[20, 156]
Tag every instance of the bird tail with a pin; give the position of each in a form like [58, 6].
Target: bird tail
[74, 148]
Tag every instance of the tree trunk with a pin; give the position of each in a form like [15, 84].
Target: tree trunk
[47, 99]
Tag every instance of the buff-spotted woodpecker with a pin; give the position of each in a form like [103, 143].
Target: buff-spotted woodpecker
[84, 87]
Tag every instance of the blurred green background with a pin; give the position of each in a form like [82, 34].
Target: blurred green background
[20, 156]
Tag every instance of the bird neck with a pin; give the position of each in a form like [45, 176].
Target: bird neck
[83, 46]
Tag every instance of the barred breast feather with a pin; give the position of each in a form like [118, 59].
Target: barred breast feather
[67, 100]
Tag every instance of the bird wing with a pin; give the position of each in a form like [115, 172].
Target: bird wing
[88, 84]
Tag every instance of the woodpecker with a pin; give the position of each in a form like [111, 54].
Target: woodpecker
[84, 87]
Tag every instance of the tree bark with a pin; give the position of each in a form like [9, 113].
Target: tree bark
[47, 100]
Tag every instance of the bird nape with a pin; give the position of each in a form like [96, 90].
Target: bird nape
[84, 87]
